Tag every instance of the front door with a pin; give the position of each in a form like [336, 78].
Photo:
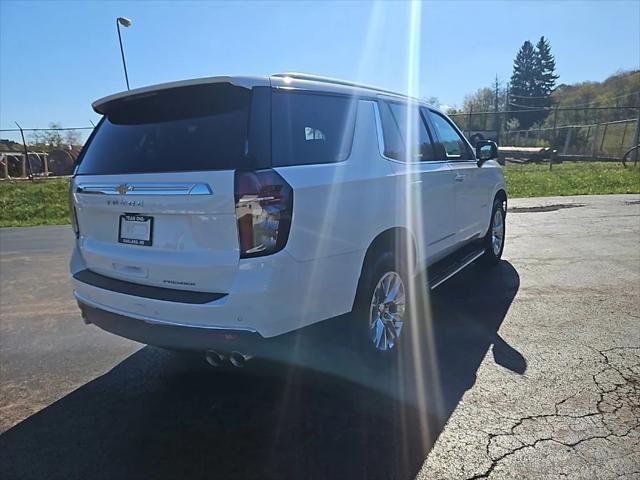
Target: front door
[471, 192]
[427, 182]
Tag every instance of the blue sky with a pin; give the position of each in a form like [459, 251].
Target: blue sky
[57, 57]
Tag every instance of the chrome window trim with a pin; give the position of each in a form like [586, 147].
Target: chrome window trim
[135, 188]
[376, 111]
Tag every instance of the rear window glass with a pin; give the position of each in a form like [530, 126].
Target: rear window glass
[204, 127]
[311, 128]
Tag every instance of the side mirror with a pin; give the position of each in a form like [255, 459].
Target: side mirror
[486, 150]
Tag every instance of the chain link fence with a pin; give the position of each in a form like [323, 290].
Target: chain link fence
[40, 152]
[608, 140]
[604, 133]
[598, 133]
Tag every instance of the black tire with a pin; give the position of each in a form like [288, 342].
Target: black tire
[386, 262]
[491, 255]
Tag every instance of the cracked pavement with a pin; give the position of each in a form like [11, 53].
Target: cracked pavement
[530, 371]
[575, 412]
[610, 422]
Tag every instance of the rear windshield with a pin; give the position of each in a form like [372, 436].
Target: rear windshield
[203, 127]
[311, 128]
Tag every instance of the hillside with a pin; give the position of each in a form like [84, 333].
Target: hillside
[620, 89]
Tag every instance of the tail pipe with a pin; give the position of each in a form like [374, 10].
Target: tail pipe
[239, 359]
[214, 358]
[217, 359]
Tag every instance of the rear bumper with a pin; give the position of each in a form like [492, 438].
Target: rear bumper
[173, 336]
[269, 296]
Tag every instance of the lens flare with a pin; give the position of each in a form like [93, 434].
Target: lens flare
[415, 384]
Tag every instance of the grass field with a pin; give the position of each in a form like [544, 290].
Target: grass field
[27, 203]
[571, 178]
[45, 202]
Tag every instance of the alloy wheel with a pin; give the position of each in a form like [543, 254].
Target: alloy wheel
[497, 232]
[386, 315]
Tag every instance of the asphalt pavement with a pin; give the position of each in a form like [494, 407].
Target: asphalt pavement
[528, 370]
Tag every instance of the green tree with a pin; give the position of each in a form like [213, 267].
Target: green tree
[546, 71]
[482, 100]
[532, 83]
[487, 99]
[73, 138]
[48, 139]
[524, 84]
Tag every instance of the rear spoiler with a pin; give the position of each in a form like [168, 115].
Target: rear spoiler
[102, 105]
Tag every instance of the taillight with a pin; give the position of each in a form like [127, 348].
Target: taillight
[72, 211]
[264, 205]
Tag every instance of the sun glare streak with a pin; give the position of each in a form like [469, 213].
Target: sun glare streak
[423, 357]
[339, 188]
[418, 387]
[337, 184]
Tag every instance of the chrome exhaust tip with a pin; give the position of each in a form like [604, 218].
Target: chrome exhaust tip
[214, 358]
[239, 359]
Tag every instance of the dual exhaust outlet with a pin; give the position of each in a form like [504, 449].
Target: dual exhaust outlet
[217, 359]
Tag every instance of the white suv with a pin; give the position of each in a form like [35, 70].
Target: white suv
[215, 214]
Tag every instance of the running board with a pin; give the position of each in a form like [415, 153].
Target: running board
[443, 270]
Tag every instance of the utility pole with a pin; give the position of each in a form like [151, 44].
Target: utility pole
[637, 137]
[26, 160]
[496, 87]
[496, 105]
[507, 102]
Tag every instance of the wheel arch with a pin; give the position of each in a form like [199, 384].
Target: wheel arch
[389, 239]
[501, 195]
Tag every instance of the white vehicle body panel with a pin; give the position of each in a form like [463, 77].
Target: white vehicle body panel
[195, 243]
[338, 211]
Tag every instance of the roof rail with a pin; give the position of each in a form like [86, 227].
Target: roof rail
[337, 81]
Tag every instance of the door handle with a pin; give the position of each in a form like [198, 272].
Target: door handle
[459, 178]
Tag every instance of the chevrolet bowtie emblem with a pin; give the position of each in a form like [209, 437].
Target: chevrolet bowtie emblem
[123, 189]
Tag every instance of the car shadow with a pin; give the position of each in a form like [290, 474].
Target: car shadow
[311, 411]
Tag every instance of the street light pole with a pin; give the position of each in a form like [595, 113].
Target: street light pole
[125, 22]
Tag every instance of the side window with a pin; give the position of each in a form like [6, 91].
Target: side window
[310, 128]
[454, 146]
[404, 132]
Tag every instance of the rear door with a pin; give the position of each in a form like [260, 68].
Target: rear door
[471, 192]
[154, 189]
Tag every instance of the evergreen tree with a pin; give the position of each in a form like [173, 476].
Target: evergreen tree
[546, 69]
[532, 82]
[524, 87]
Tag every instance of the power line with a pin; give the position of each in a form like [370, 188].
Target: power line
[526, 96]
[528, 108]
[559, 109]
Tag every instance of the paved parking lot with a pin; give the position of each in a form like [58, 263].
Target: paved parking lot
[531, 370]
